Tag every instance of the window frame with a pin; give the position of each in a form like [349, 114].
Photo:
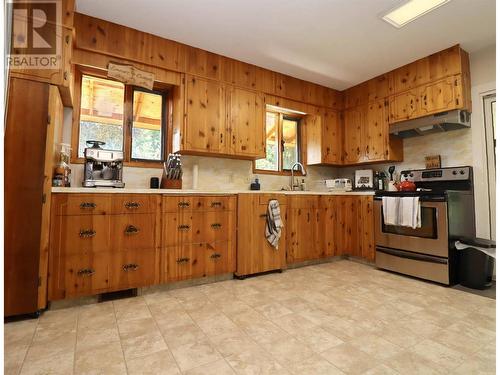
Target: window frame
[164, 90]
[300, 145]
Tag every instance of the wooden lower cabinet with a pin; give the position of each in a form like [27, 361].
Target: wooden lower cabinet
[255, 254]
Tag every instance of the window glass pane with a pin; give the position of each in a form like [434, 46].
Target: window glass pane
[101, 113]
[270, 163]
[290, 144]
[147, 126]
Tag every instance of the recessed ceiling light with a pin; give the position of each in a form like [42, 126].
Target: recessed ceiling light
[410, 11]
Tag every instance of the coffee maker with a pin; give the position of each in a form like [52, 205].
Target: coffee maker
[103, 168]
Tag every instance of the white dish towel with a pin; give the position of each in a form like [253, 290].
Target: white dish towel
[402, 211]
[273, 223]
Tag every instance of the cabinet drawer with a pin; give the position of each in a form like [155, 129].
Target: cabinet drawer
[79, 275]
[303, 201]
[326, 201]
[135, 203]
[134, 231]
[265, 198]
[135, 268]
[198, 203]
[196, 227]
[81, 234]
[220, 258]
[81, 204]
[184, 262]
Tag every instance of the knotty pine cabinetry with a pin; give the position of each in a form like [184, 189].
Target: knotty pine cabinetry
[223, 120]
[254, 253]
[103, 242]
[323, 136]
[198, 236]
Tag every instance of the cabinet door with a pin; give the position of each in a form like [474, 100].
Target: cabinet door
[438, 96]
[366, 228]
[327, 240]
[346, 226]
[246, 124]
[331, 138]
[205, 116]
[134, 268]
[404, 106]
[184, 262]
[376, 131]
[220, 258]
[301, 234]
[355, 119]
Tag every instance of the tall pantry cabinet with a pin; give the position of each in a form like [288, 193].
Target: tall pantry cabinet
[33, 125]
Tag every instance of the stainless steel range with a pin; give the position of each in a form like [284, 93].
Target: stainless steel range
[447, 214]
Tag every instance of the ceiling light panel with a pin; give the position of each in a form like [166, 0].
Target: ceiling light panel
[411, 10]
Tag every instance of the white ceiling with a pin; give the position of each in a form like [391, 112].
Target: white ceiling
[336, 43]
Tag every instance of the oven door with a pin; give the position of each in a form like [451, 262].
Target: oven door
[430, 239]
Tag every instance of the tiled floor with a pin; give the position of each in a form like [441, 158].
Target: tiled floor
[335, 318]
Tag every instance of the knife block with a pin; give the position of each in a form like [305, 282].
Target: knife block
[171, 184]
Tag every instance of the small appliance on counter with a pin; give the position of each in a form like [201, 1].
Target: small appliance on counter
[339, 184]
[363, 179]
[103, 168]
[172, 172]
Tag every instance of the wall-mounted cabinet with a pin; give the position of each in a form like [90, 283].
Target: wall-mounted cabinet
[222, 120]
[323, 137]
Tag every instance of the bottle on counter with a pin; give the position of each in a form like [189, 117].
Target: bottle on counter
[381, 181]
[62, 171]
[255, 185]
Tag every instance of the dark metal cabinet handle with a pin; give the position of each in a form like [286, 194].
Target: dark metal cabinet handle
[85, 272]
[216, 204]
[130, 229]
[263, 215]
[87, 233]
[87, 205]
[132, 205]
[130, 267]
[183, 204]
[183, 227]
[182, 260]
[215, 256]
[216, 226]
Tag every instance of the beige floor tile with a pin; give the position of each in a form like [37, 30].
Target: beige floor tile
[181, 335]
[265, 332]
[106, 369]
[293, 323]
[131, 311]
[255, 362]
[315, 365]
[375, 346]
[142, 345]
[19, 333]
[273, 310]
[381, 370]
[61, 363]
[216, 325]
[289, 352]
[159, 363]
[136, 327]
[91, 337]
[97, 357]
[399, 335]
[318, 339]
[440, 354]
[195, 354]
[173, 319]
[220, 367]
[233, 342]
[51, 348]
[481, 363]
[349, 359]
[410, 362]
[14, 355]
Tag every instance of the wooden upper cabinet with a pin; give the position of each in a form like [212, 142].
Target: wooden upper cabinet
[376, 131]
[203, 63]
[404, 106]
[354, 123]
[205, 117]
[246, 123]
[323, 136]
[290, 87]
[380, 87]
[357, 95]
[439, 96]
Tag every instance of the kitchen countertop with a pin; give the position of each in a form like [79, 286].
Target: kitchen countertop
[205, 192]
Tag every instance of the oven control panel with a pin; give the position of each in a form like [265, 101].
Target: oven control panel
[442, 174]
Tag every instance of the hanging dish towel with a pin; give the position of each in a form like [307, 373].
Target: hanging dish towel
[273, 223]
[390, 208]
[409, 212]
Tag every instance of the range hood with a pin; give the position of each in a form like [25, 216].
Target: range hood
[437, 123]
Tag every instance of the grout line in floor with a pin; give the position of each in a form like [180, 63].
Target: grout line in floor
[29, 347]
[119, 337]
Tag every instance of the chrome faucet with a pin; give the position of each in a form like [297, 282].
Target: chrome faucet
[292, 185]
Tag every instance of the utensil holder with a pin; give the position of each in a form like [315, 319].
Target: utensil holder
[171, 184]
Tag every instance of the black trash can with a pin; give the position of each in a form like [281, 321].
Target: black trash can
[476, 267]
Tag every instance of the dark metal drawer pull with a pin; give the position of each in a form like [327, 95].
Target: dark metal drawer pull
[263, 215]
[216, 226]
[87, 233]
[87, 205]
[131, 230]
[216, 204]
[132, 205]
[215, 256]
[130, 267]
[182, 260]
[86, 272]
[183, 204]
[183, 227]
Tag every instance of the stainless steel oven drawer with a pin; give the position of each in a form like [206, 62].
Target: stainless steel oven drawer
[413, 264]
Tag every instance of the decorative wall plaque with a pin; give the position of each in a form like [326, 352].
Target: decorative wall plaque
[131, 75]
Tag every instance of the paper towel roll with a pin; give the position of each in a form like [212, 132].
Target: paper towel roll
[195, 176]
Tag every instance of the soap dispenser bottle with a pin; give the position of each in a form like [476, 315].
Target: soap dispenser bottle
[255, 185]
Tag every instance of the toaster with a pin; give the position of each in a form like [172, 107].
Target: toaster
[339, 184]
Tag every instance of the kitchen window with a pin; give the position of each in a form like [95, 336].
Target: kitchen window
[282, 144]
[126, 118]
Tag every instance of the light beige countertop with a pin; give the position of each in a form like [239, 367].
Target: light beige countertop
[201, 192]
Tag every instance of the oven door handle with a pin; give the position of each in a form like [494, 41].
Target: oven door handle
[412, 256]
